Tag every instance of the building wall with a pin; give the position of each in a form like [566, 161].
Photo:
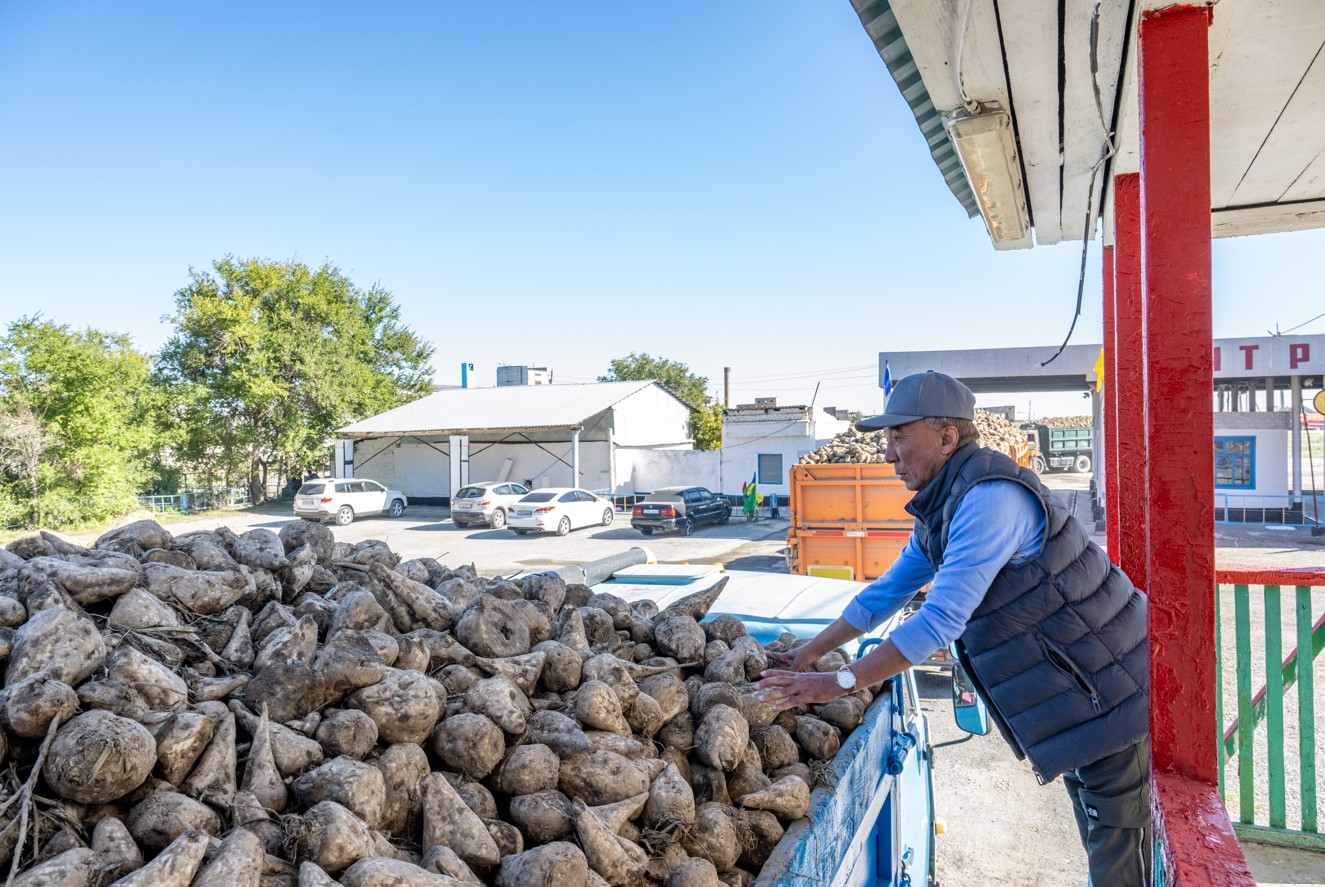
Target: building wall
[1271, 433]
[646, 470]
[423, 472]
[790, 432]
[650, 417]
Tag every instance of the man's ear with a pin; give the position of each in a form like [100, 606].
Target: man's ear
[949, 439]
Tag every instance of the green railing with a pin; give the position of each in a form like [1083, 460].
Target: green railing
[1270, 744]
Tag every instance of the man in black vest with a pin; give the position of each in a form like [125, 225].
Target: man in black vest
[1051, 633]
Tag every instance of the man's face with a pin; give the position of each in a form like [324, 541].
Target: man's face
[917, 452]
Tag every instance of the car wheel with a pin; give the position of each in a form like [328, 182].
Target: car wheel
[498, 519]
[687, 527]
[607, 516]
[1082, 465]
[314, 520]
[564, 527]
[345, 516]
[521, 532]
[725, 517]
[397, 508]
[647, 531]
[460, 524]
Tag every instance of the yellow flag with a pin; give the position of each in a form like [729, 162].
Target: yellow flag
[1099, 371]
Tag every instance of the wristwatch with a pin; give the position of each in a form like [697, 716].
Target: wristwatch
[846, 678]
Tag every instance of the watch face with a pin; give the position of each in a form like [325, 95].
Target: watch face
[846, 679]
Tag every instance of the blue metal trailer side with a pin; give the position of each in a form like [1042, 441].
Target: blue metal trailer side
[872, 823]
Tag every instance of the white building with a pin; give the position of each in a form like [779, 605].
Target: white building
[604, 436]
[762, 441]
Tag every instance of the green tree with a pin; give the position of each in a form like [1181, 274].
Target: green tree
[706, 415]
[268, 359]
[78, 422]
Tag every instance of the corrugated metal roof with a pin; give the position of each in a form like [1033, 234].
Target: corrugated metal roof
[881, 25]
[507, 408]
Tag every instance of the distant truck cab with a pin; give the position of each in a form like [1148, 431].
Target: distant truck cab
[1060, 449]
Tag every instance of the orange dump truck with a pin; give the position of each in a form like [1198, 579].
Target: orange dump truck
[848, 519]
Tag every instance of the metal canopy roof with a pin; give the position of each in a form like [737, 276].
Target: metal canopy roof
[1267, 100]
[511, 408]
[1002, 369]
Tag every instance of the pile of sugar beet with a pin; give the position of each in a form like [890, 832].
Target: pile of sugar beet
[220, 711]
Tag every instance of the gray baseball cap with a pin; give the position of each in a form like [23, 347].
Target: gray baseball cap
[921, 396]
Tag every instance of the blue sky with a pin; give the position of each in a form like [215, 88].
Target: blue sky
[722, 183]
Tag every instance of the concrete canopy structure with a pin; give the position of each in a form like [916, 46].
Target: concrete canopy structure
[571, 435]
[1037, 61]
[1170, 122]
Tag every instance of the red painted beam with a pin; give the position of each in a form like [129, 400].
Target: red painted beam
[1110, 389]
[1174, 107]
[1198, 847]
[1270, 576]
[1129, 326]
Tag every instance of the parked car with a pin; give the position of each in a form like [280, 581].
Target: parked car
[485, 503]
[558, 510]
[679, 508]
[343, 500]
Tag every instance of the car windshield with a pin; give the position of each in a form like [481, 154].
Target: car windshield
[311, 490]
[470, 493]
[665, 497]
[538, 497]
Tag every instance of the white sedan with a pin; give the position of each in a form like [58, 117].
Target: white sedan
[558, 510]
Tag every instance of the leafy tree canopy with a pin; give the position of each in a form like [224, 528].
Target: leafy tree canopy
[269, 358]
[79, 421]
[672, 375]
[705, 422]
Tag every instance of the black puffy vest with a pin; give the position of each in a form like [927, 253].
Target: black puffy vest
[1058, 644]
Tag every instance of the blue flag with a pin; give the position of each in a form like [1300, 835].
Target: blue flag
[887, 379]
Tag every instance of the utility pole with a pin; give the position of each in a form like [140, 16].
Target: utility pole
[726, 388]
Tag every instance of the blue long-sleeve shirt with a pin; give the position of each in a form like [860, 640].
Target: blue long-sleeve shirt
[998, 522]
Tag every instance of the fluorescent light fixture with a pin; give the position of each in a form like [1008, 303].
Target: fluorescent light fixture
[988, 153]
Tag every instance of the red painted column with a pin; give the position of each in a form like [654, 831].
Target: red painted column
[1128, 331]
[1195, 840]
[1109, 385]
[1175, 210]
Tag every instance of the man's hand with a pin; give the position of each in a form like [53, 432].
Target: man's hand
[784, 689]
[800, 659]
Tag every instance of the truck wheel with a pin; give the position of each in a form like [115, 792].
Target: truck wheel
[1082, 465]
[1040, 466]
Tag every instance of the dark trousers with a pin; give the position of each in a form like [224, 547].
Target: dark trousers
[1111, 800]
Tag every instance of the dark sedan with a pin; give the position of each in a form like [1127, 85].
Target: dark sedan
[679, 508]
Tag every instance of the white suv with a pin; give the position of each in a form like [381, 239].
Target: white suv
[344, 499]
[485, 503]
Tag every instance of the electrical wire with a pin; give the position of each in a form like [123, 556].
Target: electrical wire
[1278, 332]
[970, 106]
[1109, 149]
[809, 373]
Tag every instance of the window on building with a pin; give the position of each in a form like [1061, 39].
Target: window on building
[1235, 462]
[770, 468]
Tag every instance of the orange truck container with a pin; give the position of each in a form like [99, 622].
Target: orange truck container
[848, 520]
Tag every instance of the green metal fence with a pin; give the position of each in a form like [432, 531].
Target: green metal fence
[1268, 773]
